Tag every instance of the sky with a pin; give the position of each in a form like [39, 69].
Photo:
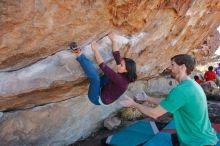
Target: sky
[218, 50]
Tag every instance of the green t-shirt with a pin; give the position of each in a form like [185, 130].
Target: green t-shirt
[187, 102]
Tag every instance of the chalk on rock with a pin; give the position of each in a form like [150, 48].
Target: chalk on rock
[1, 115]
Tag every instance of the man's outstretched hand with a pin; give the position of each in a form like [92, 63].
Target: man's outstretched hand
[128, 102]
[141, 96]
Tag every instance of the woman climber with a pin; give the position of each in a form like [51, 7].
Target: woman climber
[109, 87]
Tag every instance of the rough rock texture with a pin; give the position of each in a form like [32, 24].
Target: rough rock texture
[206, 52]
[53, 124]
[64, 122]
[57, 124]
[33, 30]
[36, 67]
[211, 90]
[160, 85]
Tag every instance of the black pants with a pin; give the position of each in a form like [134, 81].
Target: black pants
[174, 139]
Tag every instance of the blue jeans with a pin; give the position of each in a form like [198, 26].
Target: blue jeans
[96, 83]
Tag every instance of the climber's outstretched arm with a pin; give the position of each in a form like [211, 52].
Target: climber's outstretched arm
[98, 56]
[111, 36]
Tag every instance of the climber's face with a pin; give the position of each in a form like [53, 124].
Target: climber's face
[121, 68]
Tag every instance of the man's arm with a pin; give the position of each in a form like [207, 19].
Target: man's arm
[155, 100]
[98, 56]
[151, 112]
[142, 96]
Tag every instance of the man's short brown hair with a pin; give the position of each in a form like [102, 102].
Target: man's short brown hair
[186, 59]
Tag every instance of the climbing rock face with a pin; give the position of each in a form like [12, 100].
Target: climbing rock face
[37, 68]
[54, 124]
[204, 53]
[211, 89]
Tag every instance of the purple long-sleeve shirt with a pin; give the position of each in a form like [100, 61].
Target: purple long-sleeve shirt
[118, 83]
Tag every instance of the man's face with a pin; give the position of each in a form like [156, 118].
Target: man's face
[175, 69]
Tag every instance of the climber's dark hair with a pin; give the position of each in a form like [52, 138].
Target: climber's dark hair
[131, 69]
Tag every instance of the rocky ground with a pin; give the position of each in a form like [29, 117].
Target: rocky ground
[214, 111]
[95, 138]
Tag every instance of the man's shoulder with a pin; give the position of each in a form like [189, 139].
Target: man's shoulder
[184, 85]
[176, 90]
